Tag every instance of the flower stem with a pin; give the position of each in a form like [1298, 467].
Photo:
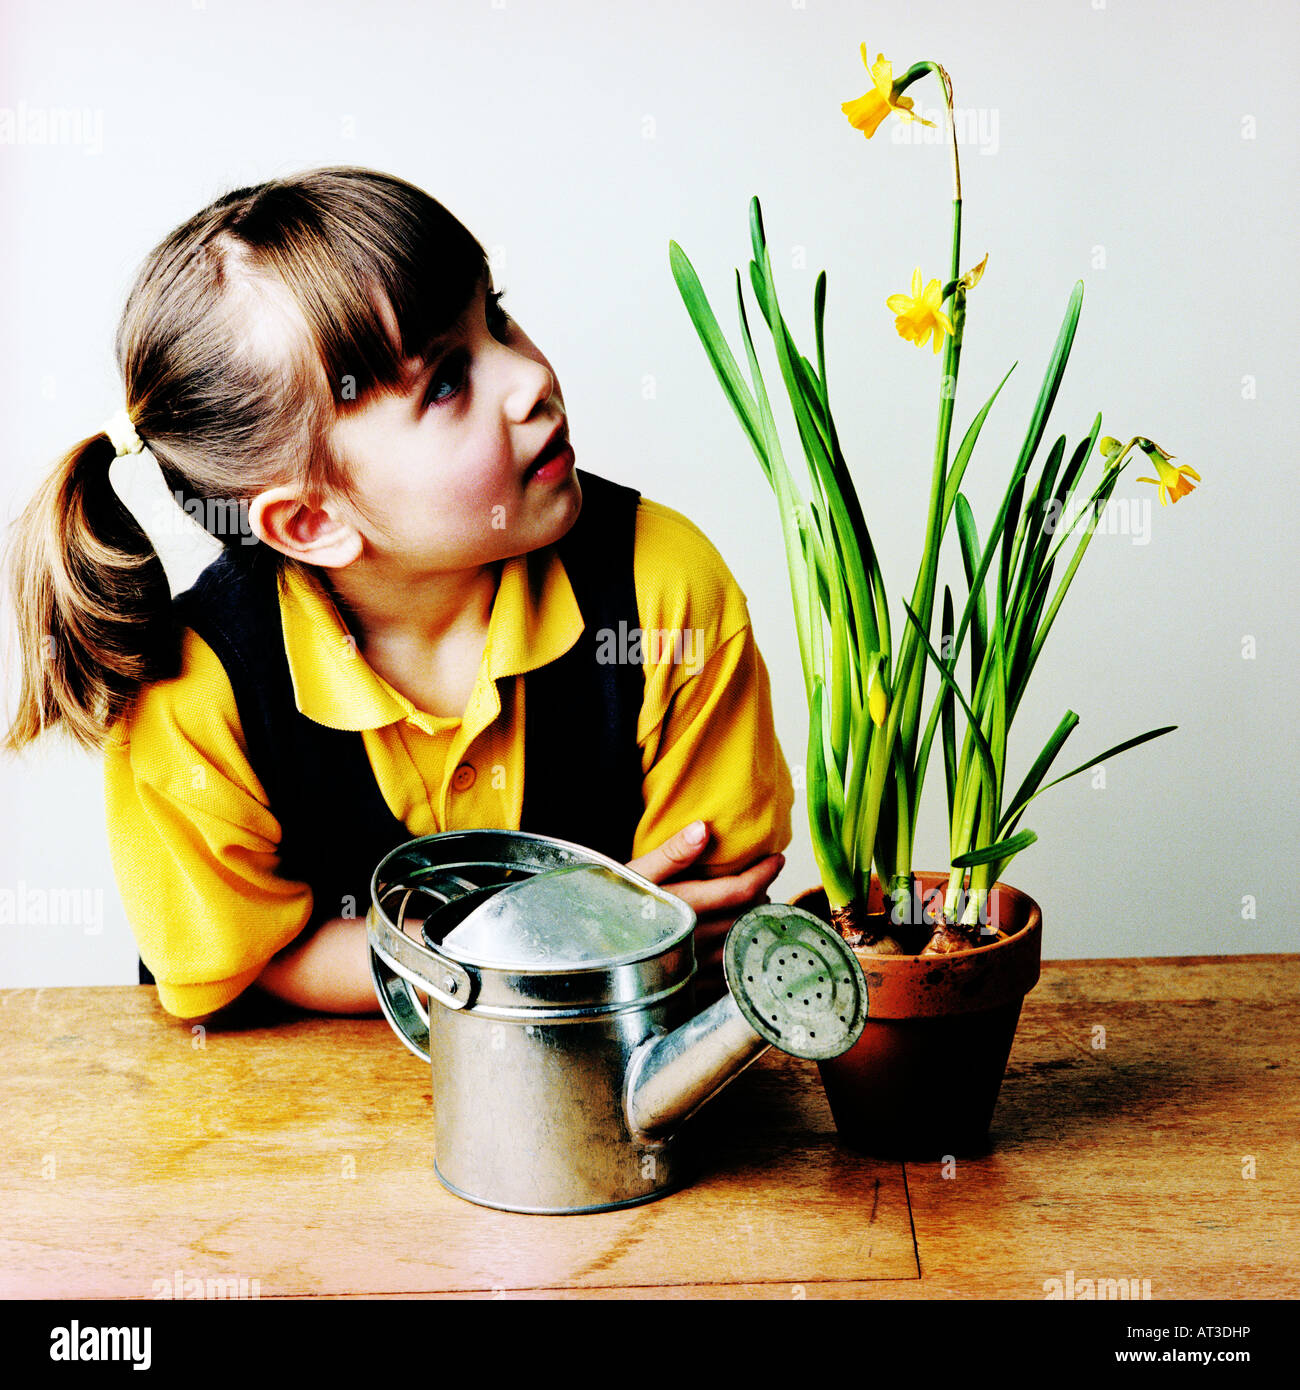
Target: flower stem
[910, 681]
[914, 74]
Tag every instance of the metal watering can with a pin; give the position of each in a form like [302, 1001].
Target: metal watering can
[565, 1048]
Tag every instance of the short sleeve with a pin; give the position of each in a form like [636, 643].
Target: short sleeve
[708, 739]
[194, 845]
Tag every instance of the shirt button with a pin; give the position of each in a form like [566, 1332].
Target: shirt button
[463, 778]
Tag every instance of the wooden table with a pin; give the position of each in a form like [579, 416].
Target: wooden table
[297, 1157]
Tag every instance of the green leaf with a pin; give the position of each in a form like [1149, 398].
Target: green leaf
[1092, 762]
[823, 569]
[716, 349]
[981, 743]
[819, 317]
[836, 878]
[1052, 379]
[953, 481]
[788, 503]
[1033, 435]
[989, 853]
[852, 543]
[1041, 540]
[1020, 573]
[1036, 571]
[1099, 499]
[1027, 625]
[949, 717]
[1010, 527]
[943, 705]
[1031, 585]
[970, 549]
[975, 597]
[998, 723]
[809, 388]
[1036, 773]
[845, 556]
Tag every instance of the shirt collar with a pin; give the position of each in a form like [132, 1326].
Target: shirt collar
[535, 620]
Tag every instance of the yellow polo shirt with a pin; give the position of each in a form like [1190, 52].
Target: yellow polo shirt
[194, 843]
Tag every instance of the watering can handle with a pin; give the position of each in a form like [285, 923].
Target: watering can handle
[401, 1007]
[398, 964]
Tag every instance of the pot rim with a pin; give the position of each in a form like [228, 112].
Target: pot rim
[961, 982]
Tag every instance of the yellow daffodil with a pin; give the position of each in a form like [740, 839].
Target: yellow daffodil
[1172, 482]
[866, 112]
[919, 313]
[877, 703]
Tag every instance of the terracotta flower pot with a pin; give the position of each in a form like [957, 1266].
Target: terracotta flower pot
[923, 1079]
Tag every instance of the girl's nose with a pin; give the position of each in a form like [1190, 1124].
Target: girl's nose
[531, 385]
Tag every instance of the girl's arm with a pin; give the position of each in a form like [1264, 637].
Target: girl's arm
[329, 972]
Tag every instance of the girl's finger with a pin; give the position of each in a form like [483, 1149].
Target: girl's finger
[673, 855]
[737, 892]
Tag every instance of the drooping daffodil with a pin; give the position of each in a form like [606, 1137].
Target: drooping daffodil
[866, 112]
[919, 313]
[1172, 482]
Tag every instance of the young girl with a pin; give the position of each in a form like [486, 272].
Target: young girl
[423, 618]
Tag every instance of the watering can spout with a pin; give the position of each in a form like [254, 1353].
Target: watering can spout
[793, 984]
[672, 1074]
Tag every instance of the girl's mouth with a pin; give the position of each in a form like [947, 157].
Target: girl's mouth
[553, 463]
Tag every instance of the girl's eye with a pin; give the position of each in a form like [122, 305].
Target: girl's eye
[450, 373]
[449, 376]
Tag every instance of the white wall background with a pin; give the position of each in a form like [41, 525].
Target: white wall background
[1145, 146]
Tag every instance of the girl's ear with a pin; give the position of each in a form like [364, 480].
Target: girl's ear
[316, 536]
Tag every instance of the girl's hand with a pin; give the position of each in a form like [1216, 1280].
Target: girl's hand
[717, 902]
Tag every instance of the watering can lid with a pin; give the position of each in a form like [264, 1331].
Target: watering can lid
[570, 918]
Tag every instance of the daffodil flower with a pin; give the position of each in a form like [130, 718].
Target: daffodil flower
[1172, 482]
[866, 112]
[919, 313]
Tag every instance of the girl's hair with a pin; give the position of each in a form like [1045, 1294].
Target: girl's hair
[247, 332]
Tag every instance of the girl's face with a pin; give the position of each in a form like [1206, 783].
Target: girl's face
[452, 469]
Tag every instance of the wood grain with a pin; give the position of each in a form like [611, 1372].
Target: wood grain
[296, 1152]
[300, 1156]
[1127, 1154]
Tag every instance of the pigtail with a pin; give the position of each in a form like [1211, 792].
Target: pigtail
[92, 603]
